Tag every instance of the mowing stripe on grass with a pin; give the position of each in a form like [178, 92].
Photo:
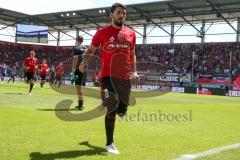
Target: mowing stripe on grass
[209, 152]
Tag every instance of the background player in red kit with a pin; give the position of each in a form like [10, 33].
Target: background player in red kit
[58, 74]
[117, 57]
[30, 67]
[43, 68]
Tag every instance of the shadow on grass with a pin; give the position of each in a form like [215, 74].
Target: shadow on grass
[55, 109]
[92, 151]
[16, 93]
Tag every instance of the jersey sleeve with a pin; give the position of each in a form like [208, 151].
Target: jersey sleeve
[96, 41]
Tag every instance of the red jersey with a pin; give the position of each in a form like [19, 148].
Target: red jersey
[59, 70]
[116, 48]
[31, 64]
[43, 69]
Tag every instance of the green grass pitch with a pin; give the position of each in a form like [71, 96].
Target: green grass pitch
[29, 128]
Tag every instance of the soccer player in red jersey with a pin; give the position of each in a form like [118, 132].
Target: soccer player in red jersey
[30, 67]
[117, 46]
[58, 74]
[43, 68]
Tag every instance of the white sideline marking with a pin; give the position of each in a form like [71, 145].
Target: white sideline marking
[209, 152]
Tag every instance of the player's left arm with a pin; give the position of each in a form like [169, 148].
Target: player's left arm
[134, 63]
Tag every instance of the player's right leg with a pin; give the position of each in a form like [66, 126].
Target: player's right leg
[55, 80]
[30, 80]
[59, 82]
[123, 89]
[10, 79]
[43, 79]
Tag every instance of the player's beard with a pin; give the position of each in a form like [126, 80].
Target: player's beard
[118, 22]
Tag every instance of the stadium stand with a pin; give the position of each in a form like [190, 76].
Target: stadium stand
[211, 60]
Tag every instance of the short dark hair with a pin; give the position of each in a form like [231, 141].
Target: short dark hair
[115, 5]
[80, 39]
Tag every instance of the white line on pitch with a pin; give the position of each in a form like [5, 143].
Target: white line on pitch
[209, 152]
